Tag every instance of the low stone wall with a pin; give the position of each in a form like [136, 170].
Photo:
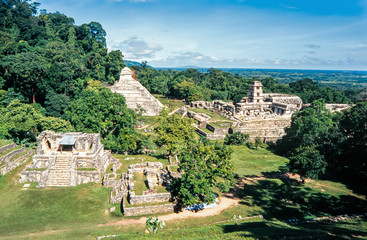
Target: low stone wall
[134, 211]
[9, 166]
[11, 154]
[148, 198]
[7, 147]
[30, 176]
[85, 163]
[83, 177]
[119, 191]
[210, 136]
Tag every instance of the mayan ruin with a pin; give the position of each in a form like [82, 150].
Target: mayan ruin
[263, 115]
[136, 95]
[67, 159]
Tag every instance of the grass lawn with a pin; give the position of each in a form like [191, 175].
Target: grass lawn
[35, 210]
[256, 229]
[171, 104]
[4, 142]
[127, 160]
[139, 183]
[249, 162]
[214, 116]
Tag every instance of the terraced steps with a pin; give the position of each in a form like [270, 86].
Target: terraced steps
[136, 94]
[60, 175]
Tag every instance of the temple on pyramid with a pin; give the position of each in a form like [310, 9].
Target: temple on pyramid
[136, 94]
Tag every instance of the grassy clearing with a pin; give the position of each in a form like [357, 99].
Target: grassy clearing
[249, 162]
[10, 150]
[139, 183]
[260, 230]
[127, 160]
[171, 104]
[36, 210]
[4, 142]
[214, 116]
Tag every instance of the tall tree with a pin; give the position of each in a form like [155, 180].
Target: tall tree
[206, 169]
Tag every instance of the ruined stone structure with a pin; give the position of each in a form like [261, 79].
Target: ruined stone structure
[13, 158]
[123, 189]
[136, 95]
[263, 115]
[67, 159]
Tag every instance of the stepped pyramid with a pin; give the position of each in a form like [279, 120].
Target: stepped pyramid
[136, 94]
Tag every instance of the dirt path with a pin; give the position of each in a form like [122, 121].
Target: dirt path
[225, 202]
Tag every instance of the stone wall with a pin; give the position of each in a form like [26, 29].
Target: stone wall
[148, 198]
[83, 177]
[8, 156]
[30, 176]
[269, 130]
[134, 211]
[11, 165]
[7, 147]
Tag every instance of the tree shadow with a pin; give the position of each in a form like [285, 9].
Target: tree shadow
[274, 230]
[282, 199]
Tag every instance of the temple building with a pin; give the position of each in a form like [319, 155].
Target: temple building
[136, 95]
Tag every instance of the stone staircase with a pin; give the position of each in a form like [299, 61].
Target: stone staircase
[61, 174]
[136, 94]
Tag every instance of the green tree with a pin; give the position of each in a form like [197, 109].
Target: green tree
[353, 125]
[23, 122]
[258, 142]
[98, 110]
[173, 132]
[206, 170]
[307, 127]
[307, 162]
[236, 138]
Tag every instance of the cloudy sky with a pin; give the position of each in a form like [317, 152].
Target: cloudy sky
[286, 34]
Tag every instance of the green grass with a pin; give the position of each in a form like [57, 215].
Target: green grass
[173, 168]
[249, 162]
[127, 160]
[214, 116]
[139, 183]
[171, 104]
[10, 150]
[36, 210]
[256, 229]
[4, 142]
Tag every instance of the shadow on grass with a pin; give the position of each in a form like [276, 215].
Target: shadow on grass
[274, 230]
[282, 199]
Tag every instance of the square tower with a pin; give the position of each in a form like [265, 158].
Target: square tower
[256, 93]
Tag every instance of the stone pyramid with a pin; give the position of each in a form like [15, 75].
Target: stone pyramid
[136, 94]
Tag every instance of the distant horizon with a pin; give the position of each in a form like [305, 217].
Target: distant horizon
[268, 34]
[259, 68]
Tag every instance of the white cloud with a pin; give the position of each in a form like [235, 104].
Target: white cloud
[137, 48]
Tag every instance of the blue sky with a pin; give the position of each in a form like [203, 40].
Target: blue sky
[297, 34]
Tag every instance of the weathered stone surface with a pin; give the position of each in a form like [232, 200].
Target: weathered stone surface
[136, 95]
[135, 211]
[8, 156]
[11, 165]
[259, 115]
[7, 147]
[149, 198]
[60, 155]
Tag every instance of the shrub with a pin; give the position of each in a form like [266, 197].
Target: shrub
[236, 138]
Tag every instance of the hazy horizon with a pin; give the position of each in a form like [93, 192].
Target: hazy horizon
[275, 34]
